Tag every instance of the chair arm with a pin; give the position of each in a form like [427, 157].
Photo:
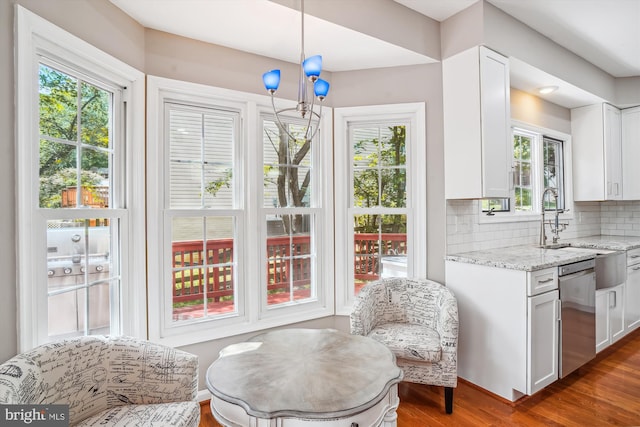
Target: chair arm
[447, 322]
[142, 372]
[367, 309]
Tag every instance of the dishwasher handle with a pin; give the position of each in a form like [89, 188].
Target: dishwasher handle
[578, 274]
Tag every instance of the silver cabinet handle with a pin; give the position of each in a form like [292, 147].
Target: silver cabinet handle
[546, 280]
[615, 299]
[559, 302]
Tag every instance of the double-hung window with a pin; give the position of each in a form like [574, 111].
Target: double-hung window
[380, 201]
[80, 231]
[540, 161]
[238, 214]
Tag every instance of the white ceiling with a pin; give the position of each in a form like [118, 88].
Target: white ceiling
[603, 32]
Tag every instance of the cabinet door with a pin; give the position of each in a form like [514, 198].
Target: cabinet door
[616, 312]
[477, 132]
[632, 298]
[542, 340]
[613, 152]
[496, 131]
[597, 153]
[630, 119]
[603, 337]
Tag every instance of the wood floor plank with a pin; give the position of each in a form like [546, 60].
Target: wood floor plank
[603, 393]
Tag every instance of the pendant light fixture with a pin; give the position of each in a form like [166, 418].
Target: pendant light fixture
[310, 69]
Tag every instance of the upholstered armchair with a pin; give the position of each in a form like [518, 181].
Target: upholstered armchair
[418, 320]
[107, 381]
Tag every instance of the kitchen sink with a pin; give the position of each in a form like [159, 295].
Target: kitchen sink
[555, 246]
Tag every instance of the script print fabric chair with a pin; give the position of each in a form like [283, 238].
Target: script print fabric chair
[418, 320]
[107, 381]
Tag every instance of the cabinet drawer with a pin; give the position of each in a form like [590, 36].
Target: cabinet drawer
[540, 281]
[633, 256]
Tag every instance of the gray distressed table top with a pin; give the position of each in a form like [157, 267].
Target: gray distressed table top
[304, 373]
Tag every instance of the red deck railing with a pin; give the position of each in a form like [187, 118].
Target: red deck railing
[285, 257]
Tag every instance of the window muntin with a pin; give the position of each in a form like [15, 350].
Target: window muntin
[201, 154]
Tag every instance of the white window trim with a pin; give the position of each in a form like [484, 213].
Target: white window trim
[415, 114]
[512, 216]
[35, 36]
[251, 316]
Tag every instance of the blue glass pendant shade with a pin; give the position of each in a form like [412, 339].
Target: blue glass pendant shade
[321, 88]
[271, 80]
[312, 66]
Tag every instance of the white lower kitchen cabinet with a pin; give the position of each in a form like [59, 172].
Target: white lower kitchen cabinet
[542, 334]
[508, 337]
[632, 298]
[632, 290]
[610, 321]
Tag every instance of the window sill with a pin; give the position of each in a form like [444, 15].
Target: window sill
[483, 218]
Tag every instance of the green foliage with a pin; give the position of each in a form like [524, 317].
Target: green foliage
[61, 127]
[379, 179]
[215, 185]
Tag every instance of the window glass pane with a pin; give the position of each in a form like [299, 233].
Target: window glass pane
[220, 265]
[95, 179]
[380, 247]
[290, 259]
[83, 277]
[218, 158]
[522, 146]
[394, 188]
[392, 146]
[365, 147]
[58, 173]
[286, 166]
[495, 205]
[201, 144]
[195, 277]
[366, 188]
[94, 116]
[552, 170]
[58, 104]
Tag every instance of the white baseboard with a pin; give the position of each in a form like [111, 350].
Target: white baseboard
[203, 395]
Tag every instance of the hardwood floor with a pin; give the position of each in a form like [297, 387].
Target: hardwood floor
[604, 392]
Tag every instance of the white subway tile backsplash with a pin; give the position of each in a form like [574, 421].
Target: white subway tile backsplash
[465, 232]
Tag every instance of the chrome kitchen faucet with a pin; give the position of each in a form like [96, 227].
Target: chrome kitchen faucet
[556, 227]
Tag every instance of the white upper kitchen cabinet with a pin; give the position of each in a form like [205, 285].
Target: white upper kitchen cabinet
[597, 153]
[477, 131]
[630, 118]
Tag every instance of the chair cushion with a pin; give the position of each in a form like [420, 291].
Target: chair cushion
[408, 341]
[185, 414]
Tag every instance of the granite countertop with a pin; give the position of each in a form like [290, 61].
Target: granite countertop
[530, 257]
[616, 243]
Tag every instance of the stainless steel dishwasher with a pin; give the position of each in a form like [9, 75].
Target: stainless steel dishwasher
[577, 283]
